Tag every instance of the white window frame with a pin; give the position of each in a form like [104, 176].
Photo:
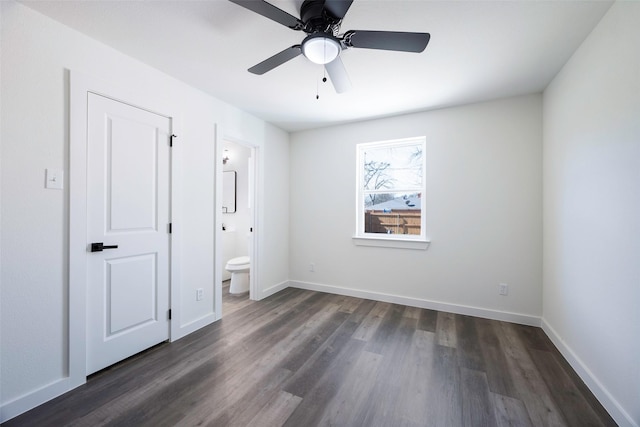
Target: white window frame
[404, 241]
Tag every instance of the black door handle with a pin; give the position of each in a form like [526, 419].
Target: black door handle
[99, 246]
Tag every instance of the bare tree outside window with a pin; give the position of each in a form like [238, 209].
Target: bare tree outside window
[376, 178]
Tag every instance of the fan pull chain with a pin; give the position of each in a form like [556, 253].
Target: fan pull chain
[324, 80]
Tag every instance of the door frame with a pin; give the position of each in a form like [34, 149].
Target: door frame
[253, 222]
[80, 86]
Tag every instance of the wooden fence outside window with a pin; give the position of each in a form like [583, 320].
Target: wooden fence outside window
[395, 222]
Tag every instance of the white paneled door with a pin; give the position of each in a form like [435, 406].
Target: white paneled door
[128, 215]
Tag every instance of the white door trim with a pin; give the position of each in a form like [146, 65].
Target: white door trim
[80, 85]
[217, 228]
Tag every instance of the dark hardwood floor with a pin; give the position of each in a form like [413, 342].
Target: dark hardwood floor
[302, 358]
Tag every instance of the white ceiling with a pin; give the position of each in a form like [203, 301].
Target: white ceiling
[479, 50]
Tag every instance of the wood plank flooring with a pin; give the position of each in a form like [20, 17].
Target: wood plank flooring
[302, 358]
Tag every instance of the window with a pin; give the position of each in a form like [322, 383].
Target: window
[390, 194]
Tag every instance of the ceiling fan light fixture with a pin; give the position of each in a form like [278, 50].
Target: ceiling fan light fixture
[321, 48]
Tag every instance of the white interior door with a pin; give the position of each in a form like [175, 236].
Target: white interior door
[128, 206]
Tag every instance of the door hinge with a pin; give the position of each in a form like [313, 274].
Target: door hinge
[170, 228]
[169, 314]
[171, 140]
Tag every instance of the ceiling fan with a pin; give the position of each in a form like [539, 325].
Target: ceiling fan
[320, 20]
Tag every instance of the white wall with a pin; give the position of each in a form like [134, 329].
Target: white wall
[37, 53]
[592, 211]
[484, 216]
[273, 202]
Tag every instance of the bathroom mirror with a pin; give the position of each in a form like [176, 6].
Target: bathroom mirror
[229, 191]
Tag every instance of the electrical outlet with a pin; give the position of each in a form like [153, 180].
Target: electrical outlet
[312, 267]
[503, 289]
[199, 293]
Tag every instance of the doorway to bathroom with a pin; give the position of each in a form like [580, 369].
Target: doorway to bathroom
[236, 246]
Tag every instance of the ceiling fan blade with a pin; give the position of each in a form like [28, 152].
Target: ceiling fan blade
[338, 8]
[338, 75]
[388, 40]
[270, 11]
[277, 59]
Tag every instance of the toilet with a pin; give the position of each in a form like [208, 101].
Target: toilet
[239, 269]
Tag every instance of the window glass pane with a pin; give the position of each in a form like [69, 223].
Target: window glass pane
[393, 167]
[390, 190]
[392, 213]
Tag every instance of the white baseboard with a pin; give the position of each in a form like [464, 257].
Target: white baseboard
[273, 289]
[523, 319]
[600, 392]
[195, 325]
[35, 398]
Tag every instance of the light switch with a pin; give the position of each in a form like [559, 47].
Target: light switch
[55, 178]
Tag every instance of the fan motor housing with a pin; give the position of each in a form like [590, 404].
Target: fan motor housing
[316, 18]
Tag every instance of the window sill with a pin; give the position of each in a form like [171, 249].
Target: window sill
[387, 242]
